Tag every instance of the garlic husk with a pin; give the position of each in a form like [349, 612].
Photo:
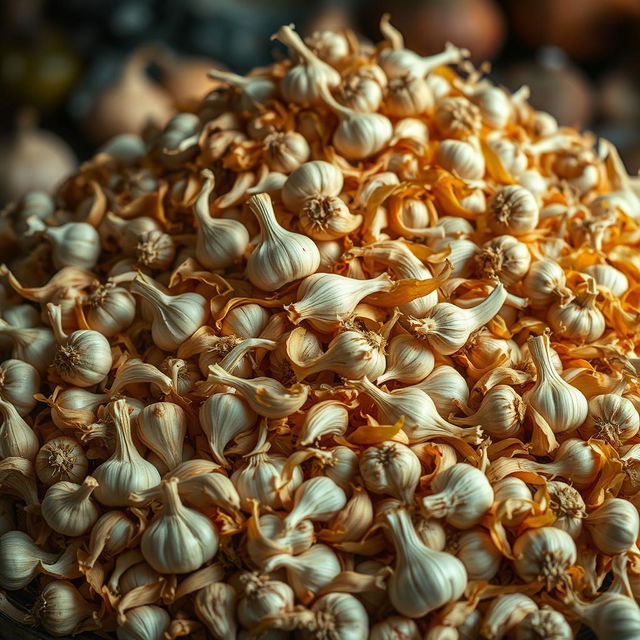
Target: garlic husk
[162, 427]
[423, 579]
[147, 622]
[614, 526]
[544, 554]
[391, 469]
[281, 256]
[19, 381]
[317, 499]
[560, 404]
[69, 509]
[126, 470]
[223, 416]
[215, 607]
[17, 438]
[179, 539]
[461, 494]
[175, 318]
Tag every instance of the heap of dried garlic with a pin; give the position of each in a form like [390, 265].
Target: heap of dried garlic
[348, 353]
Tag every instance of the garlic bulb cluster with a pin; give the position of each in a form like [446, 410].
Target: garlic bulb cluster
[348, 350]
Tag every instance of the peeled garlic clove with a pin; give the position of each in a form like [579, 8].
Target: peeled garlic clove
[220, 241]
[69, 509]
[19, 381]
[17, 438]
[316, 499]
[84, 357]
[215, 607]
[423, 579]
[162, 427]
[266, 396]
[148, 622]
[126, 470]
[614, 526]
[179, 539]
[280, 256]
[223, 416]
[544, 554]
[462, 495]
[308, 572]
[563, 406]
[395, 628]
[391, 469]
[408, 361]
[322, 419]
[175, 318]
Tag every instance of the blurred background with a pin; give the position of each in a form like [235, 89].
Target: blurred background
[75, 72]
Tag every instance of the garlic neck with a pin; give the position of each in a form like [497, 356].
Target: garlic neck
[539, 351]
[171, 498]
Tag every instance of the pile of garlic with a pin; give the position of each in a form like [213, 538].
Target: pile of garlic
[348, 353]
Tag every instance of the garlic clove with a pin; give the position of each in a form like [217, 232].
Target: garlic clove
[162, 427]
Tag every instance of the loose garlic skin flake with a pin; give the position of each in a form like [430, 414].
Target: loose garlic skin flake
[348, 348]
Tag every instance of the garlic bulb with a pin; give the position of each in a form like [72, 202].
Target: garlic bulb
[501, 413]
[505, 613]
[512, 210]
[447, 327]
[34, 345]
[285, 151]
[220, 241]
[614, 526]
[408, 361]
[61, 459]
[19, 381]
[415, 408]
[545, 621]
[323, 419]
[391, 469]
[580, 319]
[17, 438]
[612, 418]
[514, 495]
[144, 623]
[223, 416]
[504, 258]
[61, 610]
[480, 557]
[20, 560]
[179, 539]
[545, 284]
[445, 386]
[74, 244]
[315, 180]
[407, 96]
[560, 404]
[280, 257]
[162, 427]
[262, 597]
[215, 607]
[462, 158]
[462, 495]
[84, 357]
[303, 82]
[423, 580]
[544, 554]
[126, 470]
[361, 90]
[611, 615]
[175, 318]
[69, 509]
[567, 506]
[308, 572]
[609, 277]
[395, 628]
[110, 309]
[318, 499]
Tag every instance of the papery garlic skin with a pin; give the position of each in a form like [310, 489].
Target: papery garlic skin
[180, 539]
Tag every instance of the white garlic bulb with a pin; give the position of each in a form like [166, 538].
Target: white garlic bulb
[580, 319]
[318, 499]
[463, 158]
[61, 459]
[512, 210]
[614, 526]
[545, 621]
[110, 309]
[262, 597]
[504, 258]
[69, 509]
[568, 507]
[609, 277]
[545, 284]
[612, 418]
[21, 560]
[281, 256]
[147, 622]
[610, 615]
[19, 381]
[179, 539]
[446, 387]
[74, 244]
[479, 555]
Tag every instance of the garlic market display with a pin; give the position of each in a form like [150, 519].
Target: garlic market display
[349, 351]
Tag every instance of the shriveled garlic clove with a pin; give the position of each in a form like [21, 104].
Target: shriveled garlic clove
[447, 327]
[544, 554]
[266, 396]
[223, 416]
[563, 406]
[461, 494]
[162, 427]
[421, 420]
[215, 607]
[391, 469]
[69, 509]
[179, 539]
[126, 470]
[220, 241]
[175, 318]
[281, 256]
[84, 357]
[318, 499]
[19, 381]
[17, 438]
[423, 579]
